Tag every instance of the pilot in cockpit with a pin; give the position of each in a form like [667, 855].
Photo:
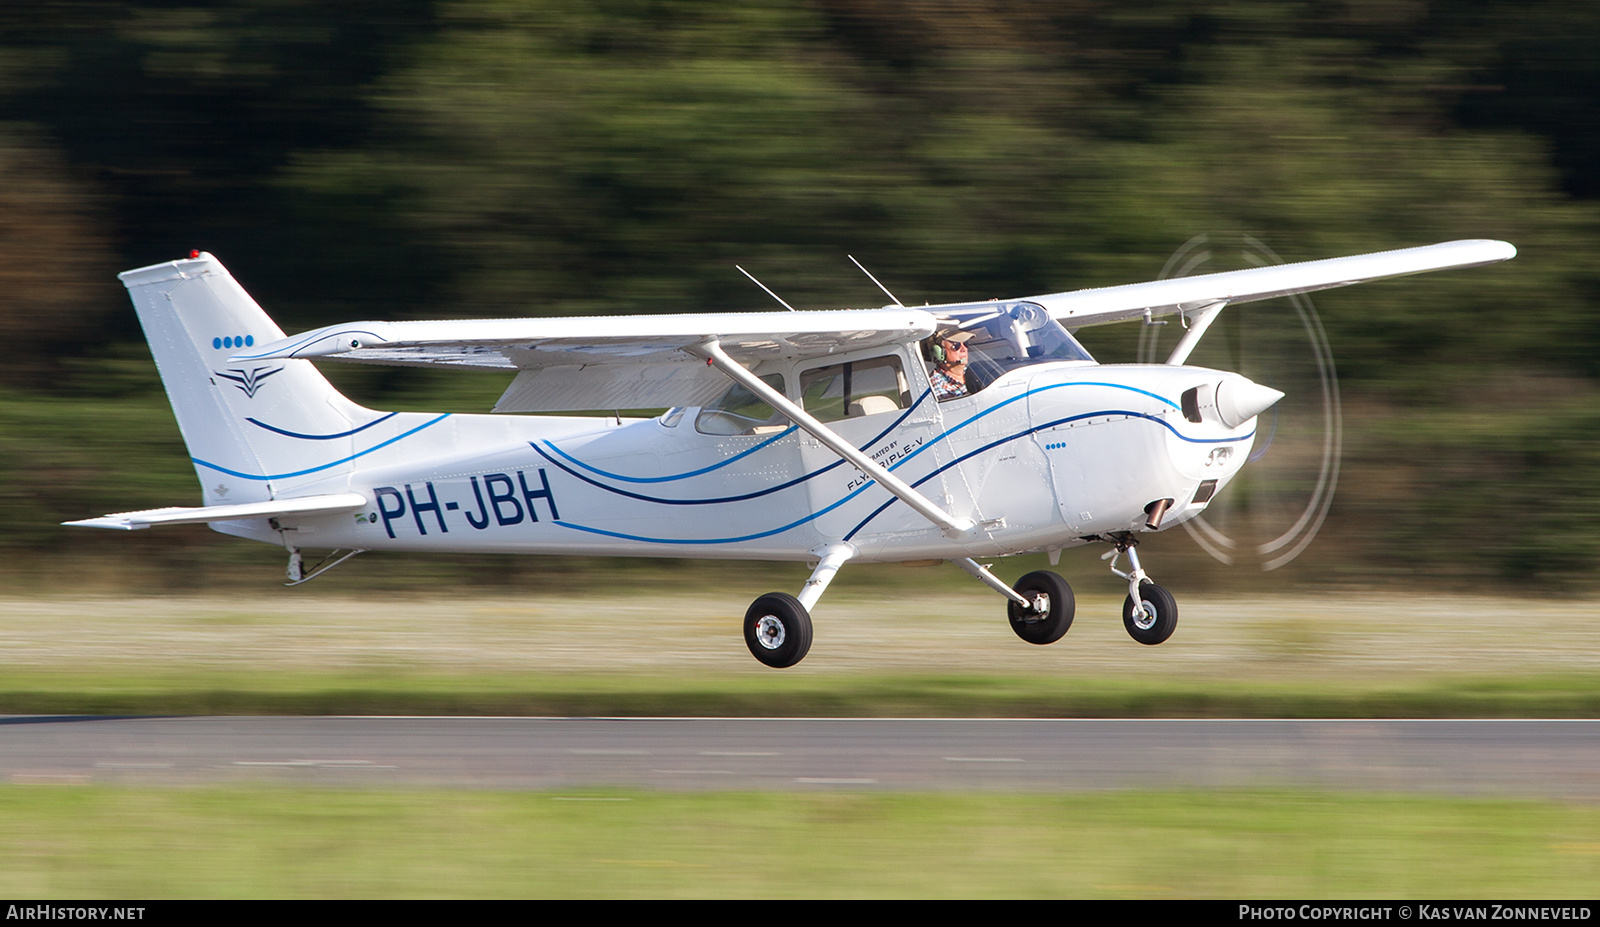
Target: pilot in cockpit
[948, 351]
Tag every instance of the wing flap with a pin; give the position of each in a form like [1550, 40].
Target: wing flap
[608, 386]
[196, 515]
[1078, 308]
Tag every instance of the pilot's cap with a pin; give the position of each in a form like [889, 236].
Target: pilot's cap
[954, 336]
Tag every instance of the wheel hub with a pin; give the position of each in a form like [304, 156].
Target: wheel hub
[1146, 619]
[769, 632]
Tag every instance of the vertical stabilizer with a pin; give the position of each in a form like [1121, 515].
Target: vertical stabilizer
[255, 429]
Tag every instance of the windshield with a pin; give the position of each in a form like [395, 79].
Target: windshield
[1008, 335]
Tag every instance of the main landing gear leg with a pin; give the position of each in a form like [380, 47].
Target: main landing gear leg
[777, 628]
[1150, 613]
[1041, 606]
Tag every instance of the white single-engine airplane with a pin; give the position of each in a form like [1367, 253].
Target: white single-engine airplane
[855, 434]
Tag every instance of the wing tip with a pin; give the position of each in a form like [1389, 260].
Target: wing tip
[1506, 250]
[1484, 251]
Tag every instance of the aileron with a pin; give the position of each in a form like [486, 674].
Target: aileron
[1078, 308]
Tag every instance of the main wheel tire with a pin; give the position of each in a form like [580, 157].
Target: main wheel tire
[1042, 627]
[1160, 619]
[777, 629]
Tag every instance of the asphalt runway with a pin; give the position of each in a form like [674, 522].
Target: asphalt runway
[1556, 759]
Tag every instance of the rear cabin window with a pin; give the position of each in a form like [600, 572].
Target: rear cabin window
[855, 389]
[740, 412]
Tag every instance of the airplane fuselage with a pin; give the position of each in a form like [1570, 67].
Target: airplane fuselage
[1042, 458]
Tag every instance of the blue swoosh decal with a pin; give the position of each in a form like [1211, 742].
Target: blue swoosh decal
[342, 434]
[731, 540]
[720, 464]
[644, 498]
[676, 476]
[1024, 395]
[893, 499]
[710, 501]
[334, 463]
[1022, 434]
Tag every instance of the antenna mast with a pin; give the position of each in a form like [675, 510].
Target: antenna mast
[764, 287]
[885, 289]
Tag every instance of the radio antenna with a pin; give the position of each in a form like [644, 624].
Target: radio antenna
[885, 289]
[764, 287]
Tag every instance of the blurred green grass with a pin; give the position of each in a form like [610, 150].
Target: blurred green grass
[948, 695]
[879, 652]
[63, 841]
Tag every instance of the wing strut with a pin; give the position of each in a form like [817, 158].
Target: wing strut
[829, 559]
[1199, 321]
[952, 526]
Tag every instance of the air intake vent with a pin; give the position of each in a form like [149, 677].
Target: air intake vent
[1191, 404]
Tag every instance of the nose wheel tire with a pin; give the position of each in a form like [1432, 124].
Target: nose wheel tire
[1159, 618]
[1053, 608]
[777, 629]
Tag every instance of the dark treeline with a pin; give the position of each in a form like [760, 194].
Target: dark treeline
[420, 158]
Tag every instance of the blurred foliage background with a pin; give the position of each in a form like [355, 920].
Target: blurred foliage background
[454, 158]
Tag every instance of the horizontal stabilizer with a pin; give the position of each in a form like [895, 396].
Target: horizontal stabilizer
[198, 515]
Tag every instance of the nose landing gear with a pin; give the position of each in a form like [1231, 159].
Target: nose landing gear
[1155, 618]
[1150, 613]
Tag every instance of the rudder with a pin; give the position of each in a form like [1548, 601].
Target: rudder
[247, 426]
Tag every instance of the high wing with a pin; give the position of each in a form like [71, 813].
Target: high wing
[606, 362]
[1079, 308]
[652, 361]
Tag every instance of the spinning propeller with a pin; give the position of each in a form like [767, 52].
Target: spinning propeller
[1274, 508]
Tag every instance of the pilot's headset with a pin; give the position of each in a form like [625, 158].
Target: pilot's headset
[936, 352]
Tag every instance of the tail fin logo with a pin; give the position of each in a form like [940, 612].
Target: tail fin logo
[248, 380]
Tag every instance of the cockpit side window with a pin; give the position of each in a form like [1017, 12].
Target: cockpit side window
[740, 412]
[855, 389]
[1003, 336]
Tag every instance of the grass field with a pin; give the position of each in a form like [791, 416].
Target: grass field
[879, 651]
[80, 842]
[945, 652]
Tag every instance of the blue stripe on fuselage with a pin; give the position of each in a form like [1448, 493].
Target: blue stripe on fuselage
[941, 436]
